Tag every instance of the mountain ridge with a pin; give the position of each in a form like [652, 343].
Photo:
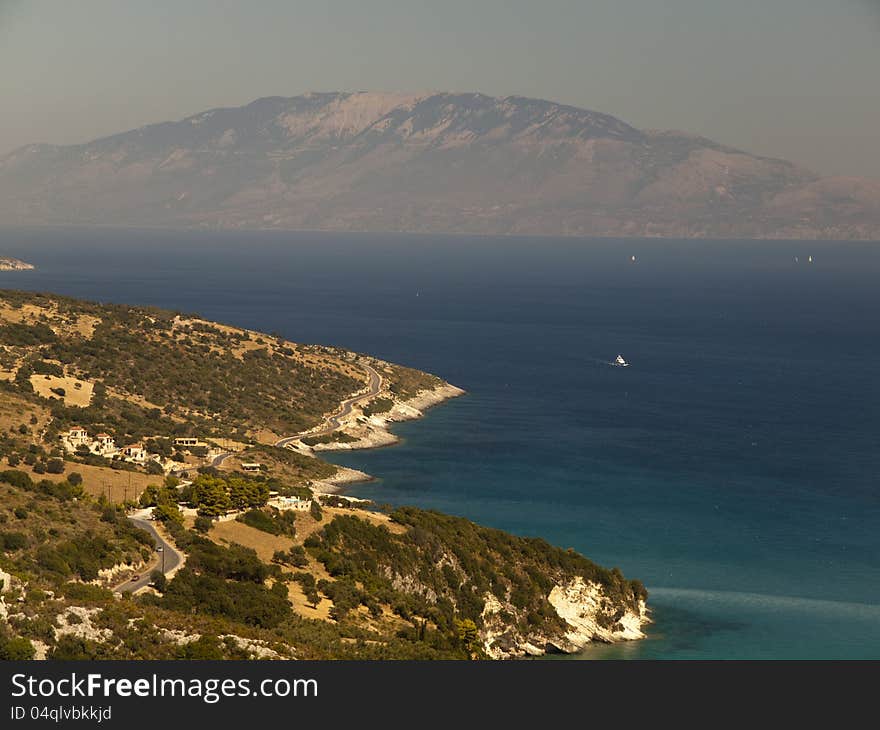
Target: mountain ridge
[432, 162]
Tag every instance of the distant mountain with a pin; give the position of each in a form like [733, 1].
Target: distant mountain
[431, 163]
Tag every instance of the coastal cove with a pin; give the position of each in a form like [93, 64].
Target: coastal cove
[731, 467]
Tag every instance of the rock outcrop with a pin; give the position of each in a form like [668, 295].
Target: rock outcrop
[10, 264]
[586, 614]
[513, 596]
[370, 432]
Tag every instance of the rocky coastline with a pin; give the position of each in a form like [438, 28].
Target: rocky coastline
[586, 614]
[8, 263]
[371, 432]
[585, 611]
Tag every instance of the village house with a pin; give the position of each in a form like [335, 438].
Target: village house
[135, 452]
[77, 435]
[291, 503]
[187, 441]
[251, 466]
[104, 444]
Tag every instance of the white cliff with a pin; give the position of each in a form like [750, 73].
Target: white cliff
[586, 614]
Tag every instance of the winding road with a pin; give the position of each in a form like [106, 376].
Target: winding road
[218, 460]
[173, 558]
[333, 422]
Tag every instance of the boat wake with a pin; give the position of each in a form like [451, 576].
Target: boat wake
[603, 361]
[763, 602]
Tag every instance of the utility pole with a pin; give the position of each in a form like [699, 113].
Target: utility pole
[161, 550]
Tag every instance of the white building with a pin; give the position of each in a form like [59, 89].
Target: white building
[135, 452]
[77, 435]
[104, 444]
[288, 503]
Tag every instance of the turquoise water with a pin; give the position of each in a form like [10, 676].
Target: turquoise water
[733, 468]
[693, 624]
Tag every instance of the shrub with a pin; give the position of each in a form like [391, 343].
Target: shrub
[16, 649]
[50, 559]
[10, 541]
[75, 648]
[17, 478]
[167, 513]
[296, 557]
[55, 466]
[259, 520]
[158, 580]
[86, 592]
[24, 335]
[275, 523]
[154, 468]
[62, 491]
[310, 588]
[150, 496]
[204, 648]
[226, 581]
[41, 367]
[378, 405]
[337, 437]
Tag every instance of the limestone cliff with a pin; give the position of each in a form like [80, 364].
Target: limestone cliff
[587, 614]
[517, 596]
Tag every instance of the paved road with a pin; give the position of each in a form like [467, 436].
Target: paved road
[333, 422]
[218, 460]
[172, 558]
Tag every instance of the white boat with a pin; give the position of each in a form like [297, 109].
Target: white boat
[620, 362]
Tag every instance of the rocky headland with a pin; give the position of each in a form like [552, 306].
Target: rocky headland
[10, 264]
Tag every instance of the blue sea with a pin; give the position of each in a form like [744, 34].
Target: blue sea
[734, 467]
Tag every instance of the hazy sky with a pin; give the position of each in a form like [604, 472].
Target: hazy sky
[798, 79]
